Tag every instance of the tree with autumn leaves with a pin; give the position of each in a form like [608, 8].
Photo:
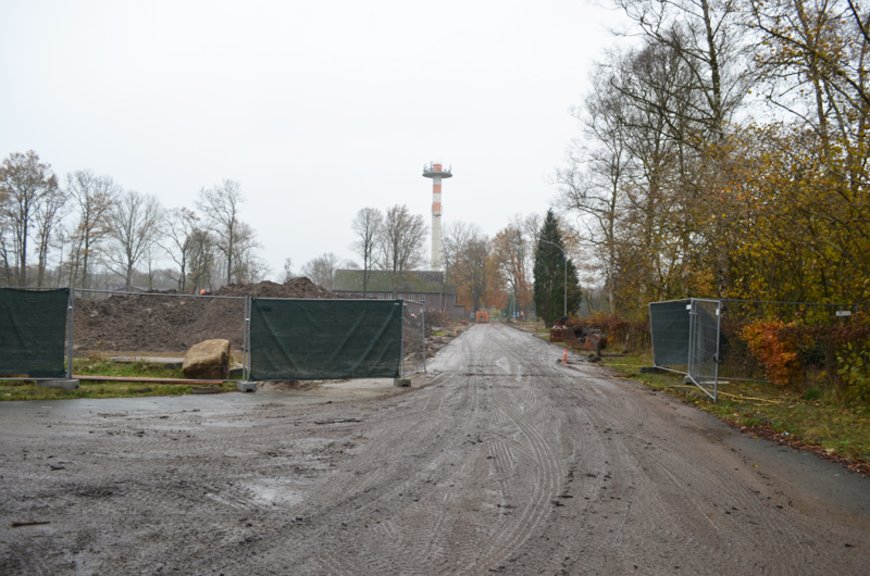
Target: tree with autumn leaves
[494, 273]
[684, 186]
[725, 154]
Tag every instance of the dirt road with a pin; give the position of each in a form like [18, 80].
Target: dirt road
[501, 462]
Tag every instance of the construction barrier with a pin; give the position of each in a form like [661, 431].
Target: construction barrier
[325, 339]
[33, 332]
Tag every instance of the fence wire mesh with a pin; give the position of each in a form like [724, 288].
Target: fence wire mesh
[414, 327]
[703, 365]
[149, 325]
[669, 330]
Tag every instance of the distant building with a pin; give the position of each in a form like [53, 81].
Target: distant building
[424, 286]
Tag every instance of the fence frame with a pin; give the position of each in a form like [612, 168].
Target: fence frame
[695, 351]
[68, 340]
[69, 337]
[422, 309]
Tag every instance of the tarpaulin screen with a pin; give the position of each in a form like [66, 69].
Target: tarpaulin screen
[32, 332]
[325, 339]
[669, 323]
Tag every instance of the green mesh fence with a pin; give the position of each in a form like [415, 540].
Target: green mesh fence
[669, 323]
[325, 339]
[32, 332]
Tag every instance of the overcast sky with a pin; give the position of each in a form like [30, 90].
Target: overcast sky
[317, 108]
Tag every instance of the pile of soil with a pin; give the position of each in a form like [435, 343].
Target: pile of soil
[293, 288]
[173, 322]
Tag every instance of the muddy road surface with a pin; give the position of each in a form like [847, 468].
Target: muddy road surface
[500, 461]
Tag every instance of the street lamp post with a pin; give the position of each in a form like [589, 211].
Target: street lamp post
[565, 289]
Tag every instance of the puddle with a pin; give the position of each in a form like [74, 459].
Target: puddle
[274, 491]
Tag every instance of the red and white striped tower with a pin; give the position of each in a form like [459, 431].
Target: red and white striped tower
[436, 172]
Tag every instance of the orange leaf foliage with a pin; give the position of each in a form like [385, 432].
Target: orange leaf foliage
[775, 347]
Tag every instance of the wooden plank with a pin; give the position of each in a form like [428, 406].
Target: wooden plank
[93, 378]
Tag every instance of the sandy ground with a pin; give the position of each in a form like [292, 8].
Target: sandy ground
[500, 461]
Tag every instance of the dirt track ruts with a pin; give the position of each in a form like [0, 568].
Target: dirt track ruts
[502, 462]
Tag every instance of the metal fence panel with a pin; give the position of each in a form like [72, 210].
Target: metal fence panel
[669, 329]
[325, 339]
[33, 332]
[703, 350]
[414, 327]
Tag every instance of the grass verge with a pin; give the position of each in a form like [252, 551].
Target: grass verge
[26, 390]
[813, 421]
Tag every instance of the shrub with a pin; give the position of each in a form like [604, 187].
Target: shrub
[853, 367]
[622, 335]
[775, 347]
[794, 353]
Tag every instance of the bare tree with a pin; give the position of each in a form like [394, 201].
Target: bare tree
[288, 269]
[512, 252]
[135, 220]
[177, 240]
[401, 243]
[813, 61]
[94, 196]
[220, 205]
[247, 266]
[457, 234]
[29, 198]
[367, 226]
[465, 251]
[594, 184]
[201, 260]
[707, 37]
[474, 269]
[321, 270]
[48, 216]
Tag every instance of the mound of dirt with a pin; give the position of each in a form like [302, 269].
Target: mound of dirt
[173, 322]
[293, 288]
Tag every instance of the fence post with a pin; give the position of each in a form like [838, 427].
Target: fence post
[716, 359]
[402, 343]
[693, 335]
[423, 337]
[70, 323]
[246, 371]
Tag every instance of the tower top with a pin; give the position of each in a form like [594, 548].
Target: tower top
[436, 170]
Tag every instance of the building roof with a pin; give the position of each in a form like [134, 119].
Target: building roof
[414, 281]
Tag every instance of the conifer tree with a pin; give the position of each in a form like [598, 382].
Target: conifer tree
[549, 271]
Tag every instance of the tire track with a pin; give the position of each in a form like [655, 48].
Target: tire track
[506, 462]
